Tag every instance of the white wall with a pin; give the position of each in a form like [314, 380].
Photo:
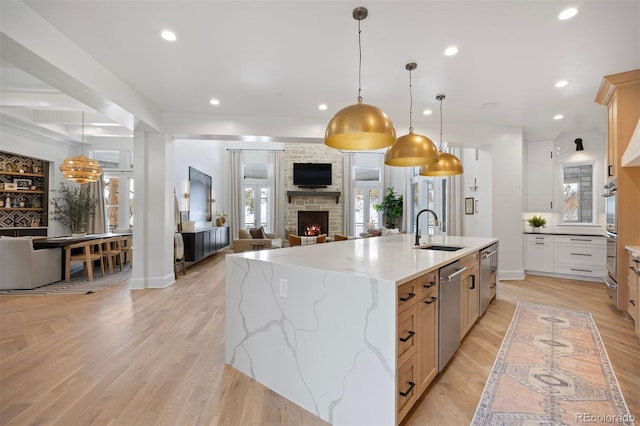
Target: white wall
[478, 172]
[507, 192]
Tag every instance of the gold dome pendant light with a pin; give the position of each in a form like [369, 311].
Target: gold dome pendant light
[360, 127]
[81, 169]
[447, 164]
[412, 149]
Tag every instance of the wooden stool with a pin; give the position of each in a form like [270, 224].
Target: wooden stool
[91, 251]
[126, 245]
[111, 249]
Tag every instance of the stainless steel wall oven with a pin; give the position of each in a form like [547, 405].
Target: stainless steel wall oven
[611, 279]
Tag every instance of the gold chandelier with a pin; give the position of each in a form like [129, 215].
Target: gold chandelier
[360, 127]
[81, 169]
[447, 164]
[412, 149]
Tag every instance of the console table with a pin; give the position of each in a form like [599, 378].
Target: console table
[204, 242]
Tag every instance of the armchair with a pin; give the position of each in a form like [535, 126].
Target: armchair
[22, 267]
[245, 242]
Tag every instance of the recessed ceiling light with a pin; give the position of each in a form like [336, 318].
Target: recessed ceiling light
[322, 107]
[450, 51]
[489, 105]
[168, 35]
[568, 13]
[214, 102]
[561, 83]
[427, 112]
[558, 117]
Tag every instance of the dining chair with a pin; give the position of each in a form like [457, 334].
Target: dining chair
[111, 250]
[178, 254]
[86, 252]
[126, 245]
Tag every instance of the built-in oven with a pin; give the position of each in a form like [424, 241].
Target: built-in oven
[611, 279]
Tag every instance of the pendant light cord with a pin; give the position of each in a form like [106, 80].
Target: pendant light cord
[441, 123]
[359, 64]
[410, 105]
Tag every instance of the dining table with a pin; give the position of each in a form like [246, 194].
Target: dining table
[65, 240]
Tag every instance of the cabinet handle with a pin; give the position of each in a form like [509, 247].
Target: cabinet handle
[408, 391]
[539, 244]
[473, 282]
[633, 302]
[581, 239]
[580, 254]
[539, 238]
[581, 270]
[610, 171]
[409, 296]
[409, 336]
[431, 284]
[493, 286]
[433, 299]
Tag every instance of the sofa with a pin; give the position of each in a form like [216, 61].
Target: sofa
[248, 242]
[22, 267]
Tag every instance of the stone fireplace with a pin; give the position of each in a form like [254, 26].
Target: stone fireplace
[313, 223]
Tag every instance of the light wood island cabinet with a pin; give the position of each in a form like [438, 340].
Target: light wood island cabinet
[620, 93]
[469, 293]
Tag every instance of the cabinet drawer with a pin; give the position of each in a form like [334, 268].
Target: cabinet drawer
[545, 239]
[469, 261]
[407, 295]
[427, 284]
[406, 387]
[581, 241]
[585, 270]
[581, 255]
[407, 333]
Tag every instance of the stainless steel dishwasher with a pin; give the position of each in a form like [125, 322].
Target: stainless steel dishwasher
[488, 265]
[449, 312]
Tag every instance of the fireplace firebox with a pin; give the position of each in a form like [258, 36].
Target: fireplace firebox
[313, 223]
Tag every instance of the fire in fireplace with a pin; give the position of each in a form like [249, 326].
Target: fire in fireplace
[313, 223]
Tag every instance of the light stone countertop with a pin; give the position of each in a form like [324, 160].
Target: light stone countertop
[392, 257]
[633, 249]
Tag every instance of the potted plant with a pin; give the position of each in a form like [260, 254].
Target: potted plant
[537, 222]
[391, 208]
[73, 208]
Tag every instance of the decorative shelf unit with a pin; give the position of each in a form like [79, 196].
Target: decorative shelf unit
[27, 211]
[314, 194]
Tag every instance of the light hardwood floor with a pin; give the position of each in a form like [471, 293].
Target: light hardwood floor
[156, 357]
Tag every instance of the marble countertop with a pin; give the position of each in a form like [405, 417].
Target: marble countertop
[392, 257]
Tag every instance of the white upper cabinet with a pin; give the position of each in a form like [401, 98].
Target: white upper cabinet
[540, 173]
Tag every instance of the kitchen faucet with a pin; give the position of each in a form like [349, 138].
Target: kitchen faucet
[435, 216]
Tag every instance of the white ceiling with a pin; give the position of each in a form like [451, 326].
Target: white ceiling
[283, 58]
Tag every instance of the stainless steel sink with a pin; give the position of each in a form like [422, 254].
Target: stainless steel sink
[440, 247]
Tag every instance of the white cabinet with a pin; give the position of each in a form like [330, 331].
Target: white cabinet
[580, 255]
[540, 176]
[539, 253]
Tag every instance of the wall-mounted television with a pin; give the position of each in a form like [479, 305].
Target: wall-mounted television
[200, 196]
[312, 175]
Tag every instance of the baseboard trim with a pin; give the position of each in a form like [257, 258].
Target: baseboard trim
[566, 276]
[145, 283]
[510, 275]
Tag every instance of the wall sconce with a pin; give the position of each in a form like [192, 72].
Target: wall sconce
[185, 185]
[474, 188]
[579, 146]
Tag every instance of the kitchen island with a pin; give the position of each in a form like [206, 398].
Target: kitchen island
[319, 324]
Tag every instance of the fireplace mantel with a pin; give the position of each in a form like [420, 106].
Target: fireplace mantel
[314, 193]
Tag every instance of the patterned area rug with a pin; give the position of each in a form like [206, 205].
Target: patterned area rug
[78, 283]
[552, 369]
